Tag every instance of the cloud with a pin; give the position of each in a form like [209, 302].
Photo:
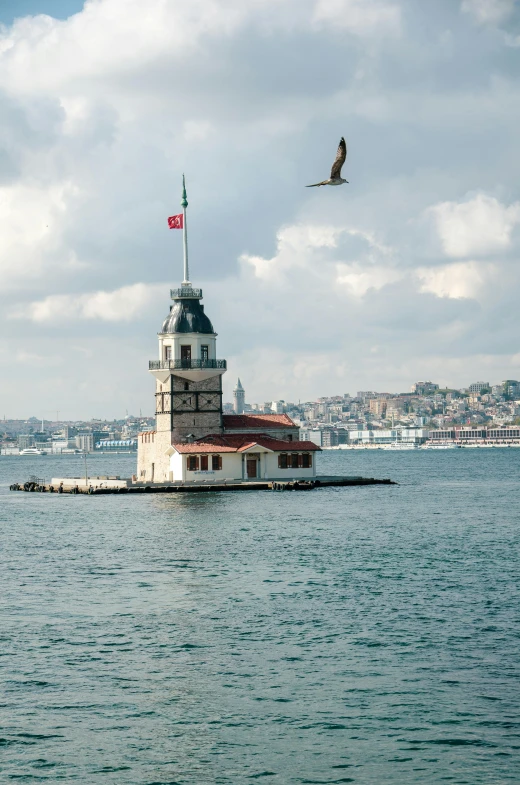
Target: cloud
[310, 246]
[113, 38]
[358, 16]
[121, 305]
[358, 281]
[311, 291]
[296, 247]
[478, 226]
[456, 281]
[488, 11]
[33, 218]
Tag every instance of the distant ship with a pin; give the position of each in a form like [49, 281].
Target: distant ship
[32, 451]
[442, 446]
[399, 446]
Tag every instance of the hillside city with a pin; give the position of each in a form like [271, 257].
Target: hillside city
[480, 413]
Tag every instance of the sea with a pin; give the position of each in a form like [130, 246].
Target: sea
[361, 634]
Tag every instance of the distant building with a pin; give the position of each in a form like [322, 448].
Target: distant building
[25, 440]
[378, 406]
[314, 436]
[424, 388]
[511, 388]
[477, 387]
[239, 398]
[388, 436]
[85, 442]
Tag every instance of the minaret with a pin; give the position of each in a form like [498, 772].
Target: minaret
[239, 398]
[188, 374]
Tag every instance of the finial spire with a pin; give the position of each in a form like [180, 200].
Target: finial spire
[184, 203]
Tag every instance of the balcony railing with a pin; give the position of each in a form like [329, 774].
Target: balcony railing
[185, 291]
[186, 365]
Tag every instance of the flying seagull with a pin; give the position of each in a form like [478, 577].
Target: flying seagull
[335, 172]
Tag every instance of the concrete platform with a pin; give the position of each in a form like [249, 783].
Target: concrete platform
[100, 486]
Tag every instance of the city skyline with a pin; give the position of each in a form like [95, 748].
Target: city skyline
[410, 270]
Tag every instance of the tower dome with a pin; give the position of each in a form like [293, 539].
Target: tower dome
[187, 315]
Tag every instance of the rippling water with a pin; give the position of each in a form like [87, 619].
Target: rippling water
[365, 635]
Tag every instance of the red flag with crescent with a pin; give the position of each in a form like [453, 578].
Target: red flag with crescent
[176, 221]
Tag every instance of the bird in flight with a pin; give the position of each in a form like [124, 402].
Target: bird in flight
[335, 172]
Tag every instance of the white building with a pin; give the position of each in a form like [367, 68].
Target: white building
[389, 436]
[193, 439]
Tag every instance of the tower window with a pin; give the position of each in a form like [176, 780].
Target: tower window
[186, 385]
[204, 352]
[167, 353]
[186, 356]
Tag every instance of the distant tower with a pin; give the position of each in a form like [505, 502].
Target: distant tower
[239, 398]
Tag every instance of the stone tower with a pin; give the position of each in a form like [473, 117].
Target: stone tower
[239, 398]
[188, 394]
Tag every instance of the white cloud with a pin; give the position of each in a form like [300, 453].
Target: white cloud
[32, 218]
[115, 38]
[358, 280]
[296, 247]
[120, 305]
[479, 226]
[308, 247]
[358, 16]
[458, 280]
[488, 11]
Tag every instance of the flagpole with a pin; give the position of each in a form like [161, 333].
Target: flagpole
[184, 204]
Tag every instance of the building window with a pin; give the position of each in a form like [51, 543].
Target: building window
[167, 353]
[289, 438]
[186, 356]
[204, 352]
[193, 463]
[294, 460]
[282, 461]
[216, 463]
[307, 460]
[204, 463]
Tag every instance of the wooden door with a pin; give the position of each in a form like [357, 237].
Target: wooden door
[251, 468]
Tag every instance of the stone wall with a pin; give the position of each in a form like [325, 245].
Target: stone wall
[196, 410]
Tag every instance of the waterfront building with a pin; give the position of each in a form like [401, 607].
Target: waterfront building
[374, 436]
[85, 442]
[193, 439]
[461, 435]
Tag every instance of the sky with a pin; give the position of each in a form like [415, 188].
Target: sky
[408, 272]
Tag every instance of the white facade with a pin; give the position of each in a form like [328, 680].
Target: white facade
[387, 436]
[237, 466]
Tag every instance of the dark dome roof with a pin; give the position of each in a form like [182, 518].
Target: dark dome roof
[187, 316]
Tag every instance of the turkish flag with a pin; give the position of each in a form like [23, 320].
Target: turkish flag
[176, 221]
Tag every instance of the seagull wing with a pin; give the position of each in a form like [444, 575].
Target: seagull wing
[335, 172]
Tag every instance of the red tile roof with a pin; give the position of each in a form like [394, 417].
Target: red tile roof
[255, 421]
[242, 442]
[201, 449]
